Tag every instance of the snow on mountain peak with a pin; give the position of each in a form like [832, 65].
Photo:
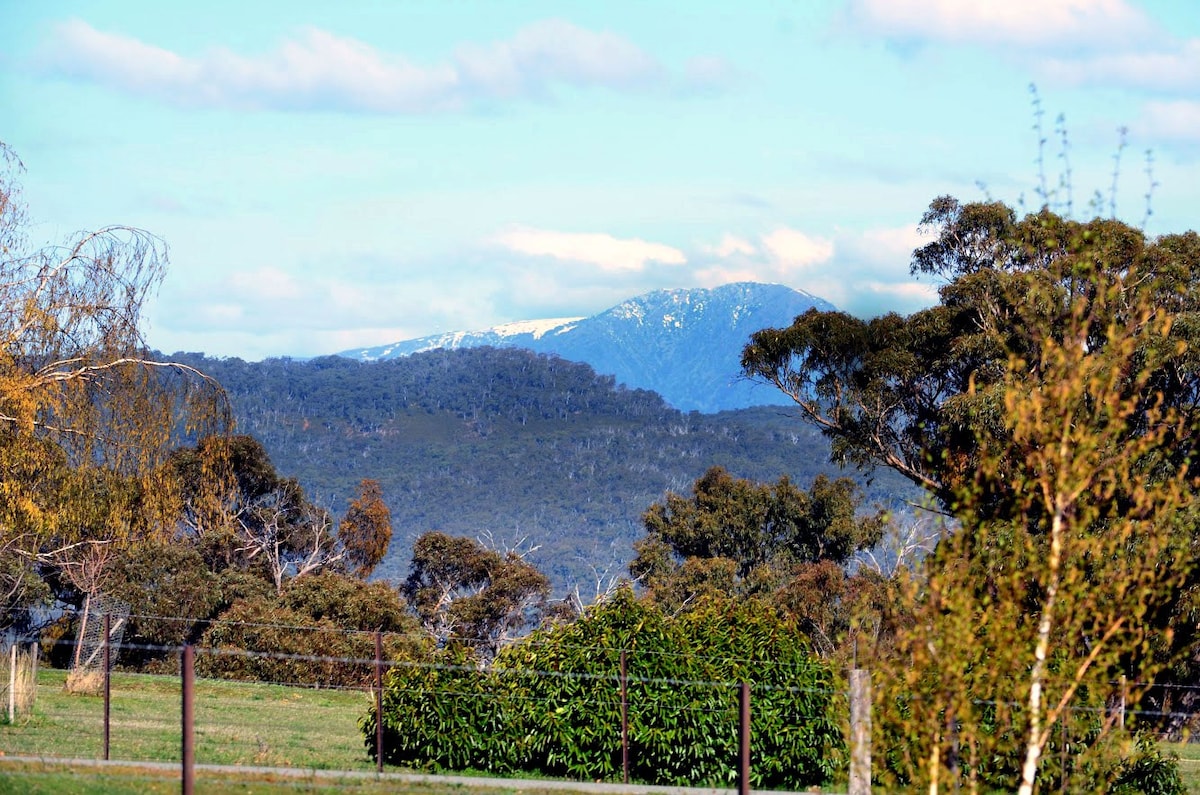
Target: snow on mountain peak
[535, 328]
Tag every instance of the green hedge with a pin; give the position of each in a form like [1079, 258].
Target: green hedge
[550, 704]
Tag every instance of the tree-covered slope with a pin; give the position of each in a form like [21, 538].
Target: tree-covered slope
[504, 442]
[684, 344]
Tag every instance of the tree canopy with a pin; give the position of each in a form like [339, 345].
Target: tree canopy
[83, 407]
[1049, 403]
[915, 393]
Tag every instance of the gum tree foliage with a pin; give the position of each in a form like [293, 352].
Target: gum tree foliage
[1048, 402]
[550, 703]
[84, 409]
[319, 632]
[233, 505]
[469, 595]
[735, 537]
[915, 393]
[366, 530]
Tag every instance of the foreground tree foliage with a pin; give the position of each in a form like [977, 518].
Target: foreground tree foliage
[471, 596]
[233, 505]
[550, 703]
[84, 410]
[736, 538]
[1049, 403]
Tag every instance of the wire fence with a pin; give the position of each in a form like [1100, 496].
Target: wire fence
[222, 703]
[228, 704]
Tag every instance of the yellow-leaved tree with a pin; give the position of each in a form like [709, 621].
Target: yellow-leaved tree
[87, 414]
[1077, 536]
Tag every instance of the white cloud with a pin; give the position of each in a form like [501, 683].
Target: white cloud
[1172, 67]
[1091, 24]
[1177, 120]
[271, 284]
[785, 256]
[730, 245]
[887, 246]
[554, 50]
[607, 252]
[316, 69]
[796, 249]
[864, 272]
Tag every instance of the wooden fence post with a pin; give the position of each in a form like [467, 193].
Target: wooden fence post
[860, 732]
[1124, 696]
[12, 683]
[624, 717]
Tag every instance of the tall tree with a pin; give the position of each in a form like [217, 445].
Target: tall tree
[78, 390]
[915, 393]
[366, 530]
[1049, 403]
[239, 511]
[466, 593]
[735, 537]
[1038, 613]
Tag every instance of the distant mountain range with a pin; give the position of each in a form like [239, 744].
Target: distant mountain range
[684, 344]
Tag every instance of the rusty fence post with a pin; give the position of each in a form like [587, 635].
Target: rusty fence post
[188, 721]
[744, 739]
[107, 684]
[378, 702]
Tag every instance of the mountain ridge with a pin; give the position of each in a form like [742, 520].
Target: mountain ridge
[683, 343]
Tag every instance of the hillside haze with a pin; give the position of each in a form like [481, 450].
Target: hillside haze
[684, 344]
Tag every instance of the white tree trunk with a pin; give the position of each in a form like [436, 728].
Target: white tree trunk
[1034, 739]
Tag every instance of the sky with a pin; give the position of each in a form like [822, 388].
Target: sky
[330, 176]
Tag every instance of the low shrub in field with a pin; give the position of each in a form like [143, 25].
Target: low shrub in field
[551, 705]
[318, 633]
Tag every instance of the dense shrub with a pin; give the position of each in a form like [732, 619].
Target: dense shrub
[319, 633]
[551, 703]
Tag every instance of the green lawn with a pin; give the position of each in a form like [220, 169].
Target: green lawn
[1189, 763]
[51, 778]
[237, 723]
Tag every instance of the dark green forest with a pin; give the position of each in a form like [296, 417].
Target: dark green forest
[519, 447]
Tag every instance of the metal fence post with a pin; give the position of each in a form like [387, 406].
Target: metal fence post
[378, 702]
[107, 684]
[744, 739]
[860, 732]
[189, 721]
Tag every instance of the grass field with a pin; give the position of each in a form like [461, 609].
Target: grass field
[1189, 763]
[237, 723]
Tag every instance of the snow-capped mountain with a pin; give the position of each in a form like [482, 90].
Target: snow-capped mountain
[685, 344]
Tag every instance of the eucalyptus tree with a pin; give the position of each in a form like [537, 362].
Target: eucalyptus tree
[1049, 402]
[87, 414]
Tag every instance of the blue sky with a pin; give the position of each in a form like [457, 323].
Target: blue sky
[334, 175]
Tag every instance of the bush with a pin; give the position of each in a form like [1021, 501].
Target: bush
[550, 704]
[318, 633]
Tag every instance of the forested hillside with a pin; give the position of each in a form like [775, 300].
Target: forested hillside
[505, 442]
